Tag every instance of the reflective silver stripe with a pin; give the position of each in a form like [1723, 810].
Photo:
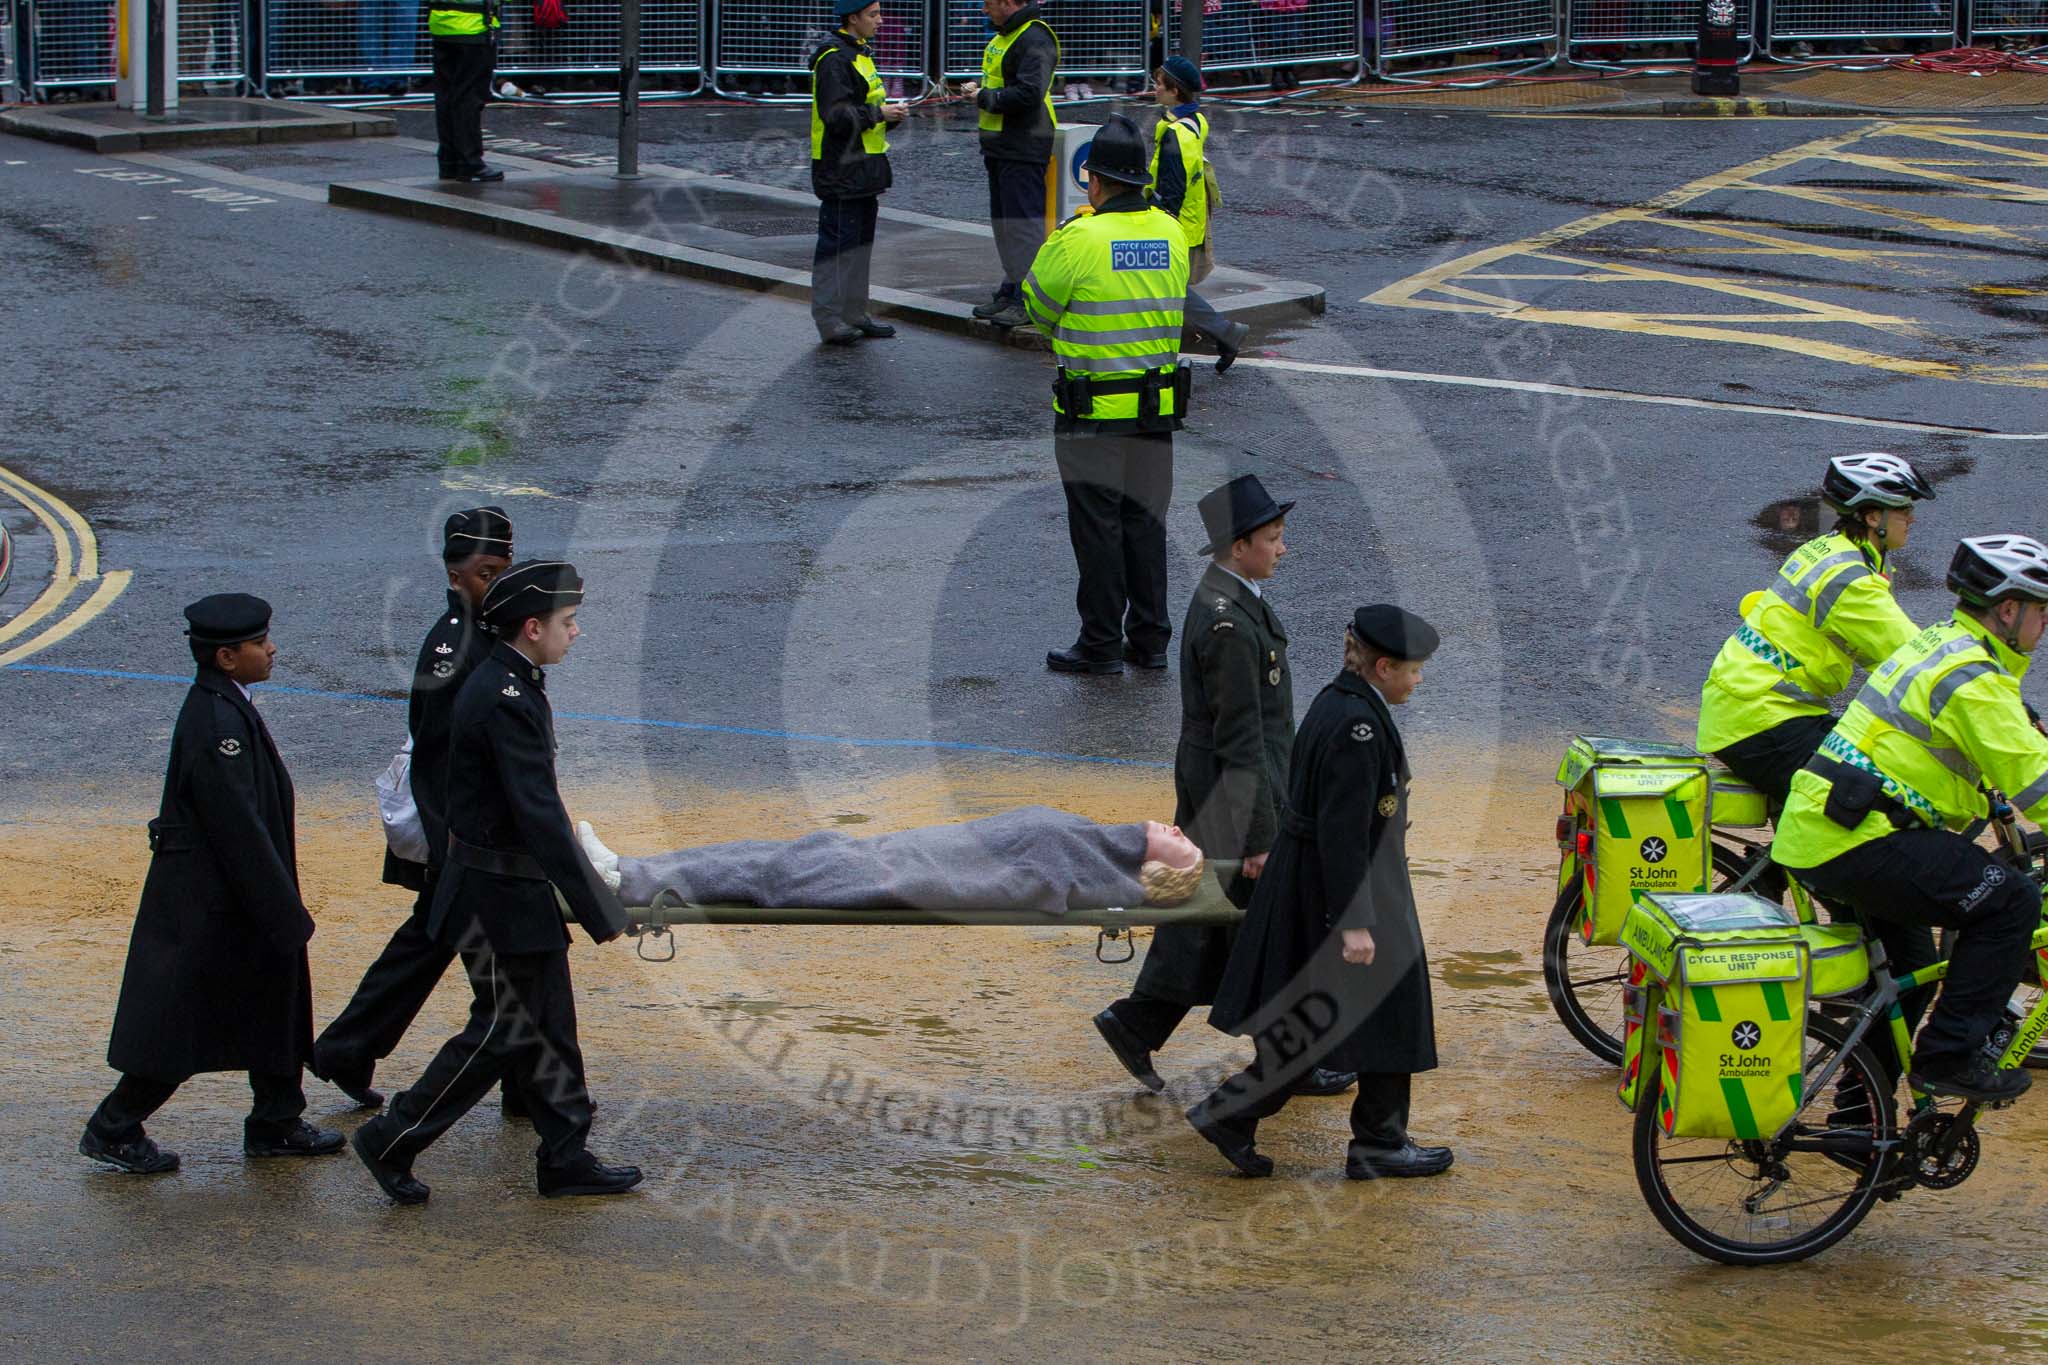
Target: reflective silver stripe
[1803, 585]
[1031, 283]
[1123, 336]
[1945, 690]
[1947, 651]
[1112, 307]
[1786, 687]
[2035, 793]
[1832, 593]
[1120, 364]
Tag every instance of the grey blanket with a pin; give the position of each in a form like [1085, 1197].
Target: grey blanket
[1036, 858]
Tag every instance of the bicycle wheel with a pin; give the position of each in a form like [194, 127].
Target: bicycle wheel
[1768, 1202]
[1585, 981]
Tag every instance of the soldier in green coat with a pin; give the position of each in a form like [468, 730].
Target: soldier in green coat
[1229, 769]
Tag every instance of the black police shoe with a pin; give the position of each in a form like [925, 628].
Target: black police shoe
[1233, 1138]
[354, 1084]
[586, 1176]
[1074, 661]
[138, 1156]
[397, 1181]
[1136, 1057]
[1392, 1163]
[1012, 315]
[301, 1139]
[839, 334]
[1976, 1077]
[1321, 1080]
[1143, 658]
[1227, 347]
[489, 175]
[868, 327]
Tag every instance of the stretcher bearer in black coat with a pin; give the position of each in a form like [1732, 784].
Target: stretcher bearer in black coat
[476, 546]
[1229, 768]
[511, 852]
[1328, 968]
[216, 977]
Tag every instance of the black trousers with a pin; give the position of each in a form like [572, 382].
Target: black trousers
[462, 86]
[1905, 885]
[1016, 210]
[1768, 759]
[522, 1025]
[278, 1100]
[1118, 488]
[839, 269]
[1153, 1020]
[1379, 1111]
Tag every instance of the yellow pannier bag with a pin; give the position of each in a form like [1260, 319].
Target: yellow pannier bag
[1722, 1009]
[1635, 823]
[1737, 805]
[1838, 963]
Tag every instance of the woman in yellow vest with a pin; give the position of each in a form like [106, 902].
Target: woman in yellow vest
[1830, 610]
[850, 122]
[1180, 186]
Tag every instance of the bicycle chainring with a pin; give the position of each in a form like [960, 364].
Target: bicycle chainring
[1956, 1169]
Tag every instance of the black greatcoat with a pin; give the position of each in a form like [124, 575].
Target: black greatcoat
[216, 977]
[1341, 862]
[502, 799]
[450, 653]
[1229, 769]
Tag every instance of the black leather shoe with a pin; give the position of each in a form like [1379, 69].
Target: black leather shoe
[996, 304]
[868, 327]
[398, 1181]
[1228, 346]
[303, 1139]
[1323, 1081]
[489, 175]
[588, 1176]
[1233, 1138]
[839, 334]
[1073, 661]
[1143, 658]
[354, 1084]
[1136, 1057]
[137, 1157]
[1393, 1163]
[1977, 1078]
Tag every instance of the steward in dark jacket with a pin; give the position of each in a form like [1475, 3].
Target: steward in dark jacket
[216, 977]
[1329, 968]
[1014, 104]
[850, 121]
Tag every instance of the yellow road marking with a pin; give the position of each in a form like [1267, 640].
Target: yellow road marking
[111, 586]
[61, 582]
[88, 543]
[71, 535]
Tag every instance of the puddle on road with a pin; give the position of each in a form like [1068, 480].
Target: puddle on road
[1484, 971]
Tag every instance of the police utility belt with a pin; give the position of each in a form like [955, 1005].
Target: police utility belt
[1077, 392]
[496, 861]
[1855, 793]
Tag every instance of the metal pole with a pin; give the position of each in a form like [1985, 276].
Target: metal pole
[629, 89]
[1191, 31]
[155, 57]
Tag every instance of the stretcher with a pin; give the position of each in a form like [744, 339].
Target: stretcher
[651, 924]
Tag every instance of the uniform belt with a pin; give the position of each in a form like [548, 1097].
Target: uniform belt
[1298, 825]
[1900, 814]
[499, 862]
[1077, 392]
[168, 836]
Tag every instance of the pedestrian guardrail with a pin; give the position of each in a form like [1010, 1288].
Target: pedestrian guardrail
[2023, 19]
[1808, 21]
[779, 37]
[1243, 36]
[385, 43]
[1612, 32]
[1516, 32]
[68, 43]
[1097, 37]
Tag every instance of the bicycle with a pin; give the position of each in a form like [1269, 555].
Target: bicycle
[1766, 1201]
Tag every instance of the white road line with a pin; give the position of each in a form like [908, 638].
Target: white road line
[200, 170]
[1622, 396]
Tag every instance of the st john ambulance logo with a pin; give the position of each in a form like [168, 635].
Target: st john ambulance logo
[1654, 850]
[1746, 1036]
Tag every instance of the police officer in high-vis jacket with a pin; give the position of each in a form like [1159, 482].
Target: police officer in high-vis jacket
[1829, 611]
[1180, 185]
[1108, 287]
[850, 122]
[1872, 820]
[465, 34]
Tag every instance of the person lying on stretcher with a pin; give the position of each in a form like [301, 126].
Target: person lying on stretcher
[1035, 858]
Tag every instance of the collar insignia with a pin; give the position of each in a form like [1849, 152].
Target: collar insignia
[444, 649]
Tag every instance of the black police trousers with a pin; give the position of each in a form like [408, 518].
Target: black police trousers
[1906, 884]
[274, 1111]
[1118, 488]
[462, 86]
[522, 1025]
[1768, 759]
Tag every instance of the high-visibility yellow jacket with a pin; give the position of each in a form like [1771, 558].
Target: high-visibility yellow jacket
[1829, 609]
[1186, 195]
[1938, 718]
[462, 21]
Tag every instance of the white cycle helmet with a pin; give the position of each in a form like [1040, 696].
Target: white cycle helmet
[1987, 570]
[1873, 479]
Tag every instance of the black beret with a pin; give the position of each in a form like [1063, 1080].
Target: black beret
[1394, 632]
[479, 531]
[227, 618]
[534, 588]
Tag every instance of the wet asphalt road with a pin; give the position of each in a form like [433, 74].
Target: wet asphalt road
[809, 568]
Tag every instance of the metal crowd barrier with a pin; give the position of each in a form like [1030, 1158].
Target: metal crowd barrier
[1616, 25]
[2008, 19]
[1097, 37]
[1408, 29]
[386, 41]
[778, 38]
[70, 43]
[1242, 35]
[7, 67]
[1790, 21]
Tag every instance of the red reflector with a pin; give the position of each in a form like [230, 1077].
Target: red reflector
[1564, 831]
[1586, 844]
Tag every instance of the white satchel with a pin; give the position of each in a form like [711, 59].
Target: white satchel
[403, 833]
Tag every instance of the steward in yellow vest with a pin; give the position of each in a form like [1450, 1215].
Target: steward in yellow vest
[1016, 120]
[1873, 819]
[1180, 184]
[850, 121]
[465, 34]
[1108, 287]
[1829, 611]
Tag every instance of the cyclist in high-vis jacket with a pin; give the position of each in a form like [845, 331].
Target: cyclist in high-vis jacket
[1830, 609]
[1871, 819]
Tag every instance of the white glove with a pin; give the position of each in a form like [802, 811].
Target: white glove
[603, 859]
